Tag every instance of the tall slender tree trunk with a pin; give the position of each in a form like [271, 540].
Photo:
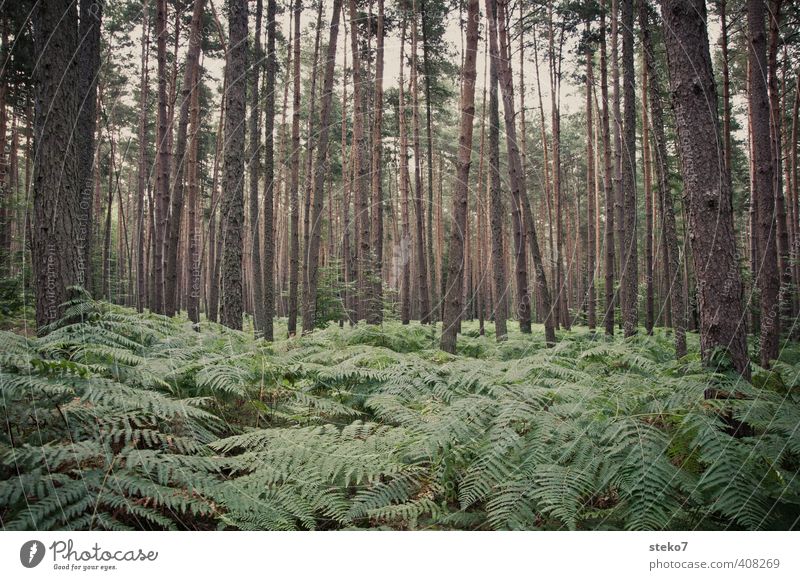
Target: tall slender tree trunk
[405, 241]
[455, 277]
[233, 195]
[294, 235]
[648, 207]
[422, 265]
[91, 14]
[719, 287]
[190, 78]
[141, 180]
[591, 314]
[195, 207]
[726, 86]
[320, 170]
[375, 314]
[608, 184]
[763, 184]
[162, 161]
[269, 175]
[629, 279]
[518, 189]
[672, 266]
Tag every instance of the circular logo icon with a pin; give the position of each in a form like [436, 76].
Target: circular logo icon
[31, 553]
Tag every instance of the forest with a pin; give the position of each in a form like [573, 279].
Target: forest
[399, 265]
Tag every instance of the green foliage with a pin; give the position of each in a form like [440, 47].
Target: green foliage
[119, 420]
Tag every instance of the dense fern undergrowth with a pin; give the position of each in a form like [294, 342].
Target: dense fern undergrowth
[134, 421]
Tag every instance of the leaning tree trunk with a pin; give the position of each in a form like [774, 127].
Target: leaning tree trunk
[719, 286]
[56, 250]
[320, 170]
[233, 196]
[763, 186]
[518, 189]
[452, 303]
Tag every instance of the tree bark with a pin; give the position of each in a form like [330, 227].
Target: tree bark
[629, 279]
[763, 185]
[91, 15]
[608, 184]
[269, 176]
[56, 250]
[142, 173]
[162, 161]
[233, 195]
[375, 314]
[719, 286]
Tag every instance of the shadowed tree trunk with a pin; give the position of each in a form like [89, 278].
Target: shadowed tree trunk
[629, 279]
[590, 191]
[453, 298]
[91, 15]
[719, 286]
[162, 162]
[763, 186]
[608, 184]
[233, 195]
[56, 249]
[269, 175]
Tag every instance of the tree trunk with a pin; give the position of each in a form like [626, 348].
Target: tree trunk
[269, 176]
[648, 206]
[719, 286]
[142, 172]
[608, 184]
[672, 266]
[195, 206]
[254, 167]
[591, 314]
[91, 15]
[233, 195]
[162, 162]
[455, 277]
[56, 252]
[405, 241]
[518, 190]
[375, 314]
[320, 170]
[629, 279]
[763, 192]
[294, 235]
[190, 78]
[425, 315]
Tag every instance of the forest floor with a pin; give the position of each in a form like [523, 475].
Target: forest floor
[137, 421]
